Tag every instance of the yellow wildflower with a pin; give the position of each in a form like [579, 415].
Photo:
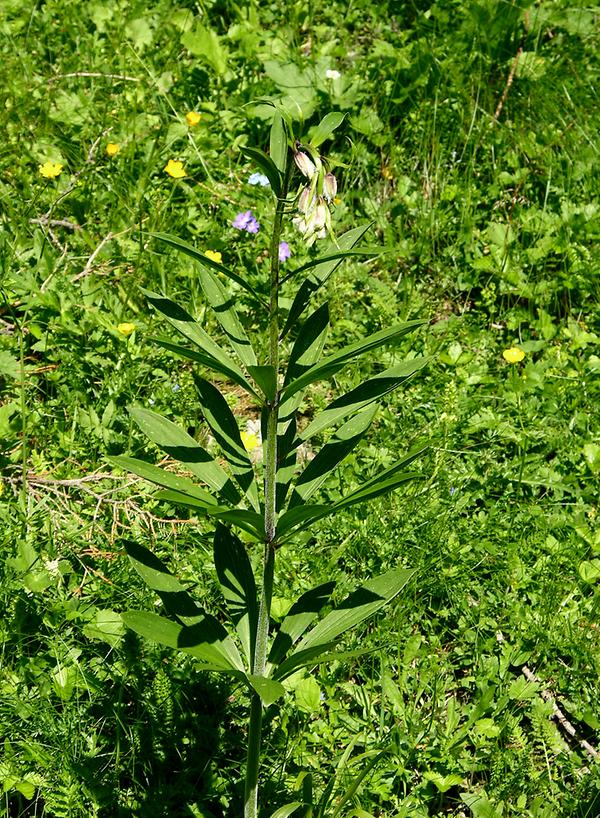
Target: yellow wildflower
[175, 169]
[113, 148]
[250, 441]
[126, 328]
[214, 255]
[513, 355]
[50, 170]
[192, 119]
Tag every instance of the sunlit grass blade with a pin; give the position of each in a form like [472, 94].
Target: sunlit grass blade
[224, 427]
[368, 392]
[238, 586]
[190, 251]
[331, 455]
[181, 446]
[333, 363]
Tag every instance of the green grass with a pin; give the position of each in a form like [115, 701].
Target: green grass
[488, 225]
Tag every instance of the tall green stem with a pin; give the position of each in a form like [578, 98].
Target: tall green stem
[270, 481]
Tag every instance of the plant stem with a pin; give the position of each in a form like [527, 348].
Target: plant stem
[270, 478]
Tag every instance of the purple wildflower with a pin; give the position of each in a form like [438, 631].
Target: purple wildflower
[284, 251]
[246, 221]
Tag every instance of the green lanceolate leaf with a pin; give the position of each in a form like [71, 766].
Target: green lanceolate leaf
[182, 447]
[339, 255]
[298, 619]
[320, 274]
[190, 251]
[301, 517]
[158, 578]
[238, 586]
[248, 521]
[202, 358]
[222, 304]
[359, 605]
[208, 640]
[266, 379]
[333, 363]
[326, 127]
[267, 165]
[287, 448]
[278, 144]
[368, 392]
[288, 809]
[305, 353]
[164, 478]
[225, 429]
[269, 690]
[209, 353]
[318, 655]
[332, 453]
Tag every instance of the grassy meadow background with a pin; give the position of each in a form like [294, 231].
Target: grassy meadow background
[471, 144]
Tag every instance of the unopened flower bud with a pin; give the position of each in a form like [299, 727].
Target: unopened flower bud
[305, 164]
[329, 186]
[306, 200]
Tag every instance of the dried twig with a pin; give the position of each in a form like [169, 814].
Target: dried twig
[44, 221]
[93, 74]
[509, 82]
[90, 262]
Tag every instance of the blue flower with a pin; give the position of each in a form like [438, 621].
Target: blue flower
[246, 221]
[259, 179]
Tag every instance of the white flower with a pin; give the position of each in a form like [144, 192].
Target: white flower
[332, 74]
[305, 164]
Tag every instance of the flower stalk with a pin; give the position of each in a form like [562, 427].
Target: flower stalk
[270, 514]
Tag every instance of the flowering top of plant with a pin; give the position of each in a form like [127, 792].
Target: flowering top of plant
[513, 355]
[214, 255]
[175, 169]
[284, 251]
[192, 118]
[50, 170]
[315, 219]
[259, 179]
[246, 221]
[113, 148]
[126, 328]
[332, 74]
